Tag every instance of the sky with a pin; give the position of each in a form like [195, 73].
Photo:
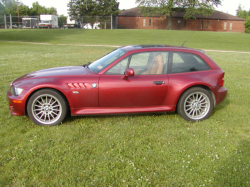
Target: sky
[228, 6]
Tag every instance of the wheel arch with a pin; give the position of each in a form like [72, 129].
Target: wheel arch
[197, 86]
[34, 91]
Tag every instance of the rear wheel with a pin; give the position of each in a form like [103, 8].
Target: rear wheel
[47, 107]
[195, 104]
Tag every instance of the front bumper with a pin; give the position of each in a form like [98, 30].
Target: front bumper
[45, 26]
[16, 104]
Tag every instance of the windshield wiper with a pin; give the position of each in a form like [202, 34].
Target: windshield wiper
[87, 65]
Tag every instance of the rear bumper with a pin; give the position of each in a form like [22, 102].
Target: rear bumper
[221, 95]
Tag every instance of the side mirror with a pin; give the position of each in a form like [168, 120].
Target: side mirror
[129, 72]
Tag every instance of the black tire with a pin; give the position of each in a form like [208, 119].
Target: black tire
[195, 104]
[47, 107]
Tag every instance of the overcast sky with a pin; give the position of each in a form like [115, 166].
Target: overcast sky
[228, 6]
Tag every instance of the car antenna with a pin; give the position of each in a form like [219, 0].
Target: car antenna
[188, 38]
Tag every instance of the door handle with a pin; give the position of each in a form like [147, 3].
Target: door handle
[159, 82]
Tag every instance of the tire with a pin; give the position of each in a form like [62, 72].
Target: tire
[47, 107]
[195, 104]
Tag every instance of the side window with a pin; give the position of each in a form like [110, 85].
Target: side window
[149, 63]
[119, 68]
[187, 62]
[144, 22]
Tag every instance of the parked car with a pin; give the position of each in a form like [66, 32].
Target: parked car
[130, 79]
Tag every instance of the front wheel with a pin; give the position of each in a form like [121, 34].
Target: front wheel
[47, 107]
[195, 104]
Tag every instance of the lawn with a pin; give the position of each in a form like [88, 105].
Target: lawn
[124, 150]
[200, 40]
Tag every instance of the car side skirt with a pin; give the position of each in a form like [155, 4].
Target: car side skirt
[121, 110]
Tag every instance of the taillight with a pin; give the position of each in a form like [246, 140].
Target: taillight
[222, 82]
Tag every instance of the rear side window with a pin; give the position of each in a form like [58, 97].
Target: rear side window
[187, 62]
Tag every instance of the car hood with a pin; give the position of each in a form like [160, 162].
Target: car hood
[59, 71]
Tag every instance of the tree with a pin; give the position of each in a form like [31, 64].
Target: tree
[37, 9]
[247, 25]
[100, 8]
[62, 20]
[12, 7]
[23, 10]
[246, 15]
[52, 10]
[107, 8]
[1, 8]
[93, 8]
[9, 7]
[166, 8]
[242, 13]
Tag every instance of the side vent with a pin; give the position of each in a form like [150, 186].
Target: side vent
[76, 85]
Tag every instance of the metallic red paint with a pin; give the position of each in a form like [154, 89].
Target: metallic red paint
[97, 93]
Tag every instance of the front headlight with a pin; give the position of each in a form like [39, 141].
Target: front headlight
[16, 91]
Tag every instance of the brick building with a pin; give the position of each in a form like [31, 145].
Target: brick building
[218, 21]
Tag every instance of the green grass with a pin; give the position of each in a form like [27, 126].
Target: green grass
[123, 150]
[200, 40]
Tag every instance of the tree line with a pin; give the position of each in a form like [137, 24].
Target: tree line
[80, 8]
[14, 8]
[166, 8]
[246, 15]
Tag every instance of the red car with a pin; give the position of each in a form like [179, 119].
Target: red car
[130, 79]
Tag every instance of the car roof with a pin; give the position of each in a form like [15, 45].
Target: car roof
[136, 47]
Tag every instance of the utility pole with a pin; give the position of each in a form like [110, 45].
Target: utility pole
[17, 2]
[10, 22]
[5, 24]
[111, 22]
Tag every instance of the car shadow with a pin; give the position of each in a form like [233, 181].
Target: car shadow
[221, 105]
[70, 119]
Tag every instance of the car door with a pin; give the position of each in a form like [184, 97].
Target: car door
[148, 86]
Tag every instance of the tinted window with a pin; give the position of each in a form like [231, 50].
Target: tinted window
[187, 62]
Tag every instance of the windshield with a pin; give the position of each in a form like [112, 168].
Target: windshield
[103, 62]
[45, 21]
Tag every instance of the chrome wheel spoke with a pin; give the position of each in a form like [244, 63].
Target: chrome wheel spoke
[52, 116]
[39, 113]
[48, 117]
[53, 103]
[54, 113]
[39, 102]
[38, 109]
[41, 116]
[50, 101]
[197, 105]
[46, 109]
